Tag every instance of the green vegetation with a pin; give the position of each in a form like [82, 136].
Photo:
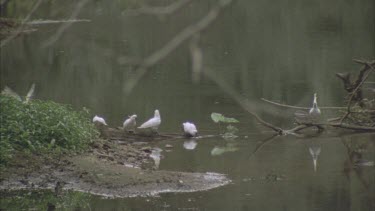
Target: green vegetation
[230, 130]
[43, 200]
[41, 126]
[217, 118]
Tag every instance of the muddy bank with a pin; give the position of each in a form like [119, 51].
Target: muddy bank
[110, 168]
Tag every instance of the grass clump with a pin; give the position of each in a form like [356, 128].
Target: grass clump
[41, 126]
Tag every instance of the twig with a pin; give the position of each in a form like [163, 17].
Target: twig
[263, 143]
[175, 42]
[297, 107]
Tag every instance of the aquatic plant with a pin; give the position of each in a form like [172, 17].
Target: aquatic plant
[42, 125]
[217, 118]
[230, 130]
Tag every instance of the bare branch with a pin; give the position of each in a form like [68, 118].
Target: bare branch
[353, 127]
[41, 22]
[162, 10]
[175, 42]
[22, 26]
[196, 58]
[261, 144]
[65, 25]
[297, 107]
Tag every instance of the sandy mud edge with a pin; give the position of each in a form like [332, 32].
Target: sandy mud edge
[104, 171]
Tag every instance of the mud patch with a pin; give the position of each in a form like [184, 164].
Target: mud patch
[104, 170]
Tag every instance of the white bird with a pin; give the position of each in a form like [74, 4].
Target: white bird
[99, 119]
[315, 111]
[152, 123]
[30, 94]
[129, 124]
[189, 129]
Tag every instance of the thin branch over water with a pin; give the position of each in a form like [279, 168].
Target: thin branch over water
[158, 10]
[65, 25]
[21, 28]
[174, 43]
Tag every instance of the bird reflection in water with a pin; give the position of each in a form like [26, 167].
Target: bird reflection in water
[314, 152]
[190, 145]
[156, 156]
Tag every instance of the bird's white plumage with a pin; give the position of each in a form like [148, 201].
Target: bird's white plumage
[99, 120]
[30, 93]
[152, 123]
[189, 129]
[315, 111]
[130, 123]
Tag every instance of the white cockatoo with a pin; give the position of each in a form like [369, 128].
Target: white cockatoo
[190, 129]
[129, 124]
[98, 119]
[152, 123]
[315, 111]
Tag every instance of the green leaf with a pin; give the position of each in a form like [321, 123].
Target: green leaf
[216, 117]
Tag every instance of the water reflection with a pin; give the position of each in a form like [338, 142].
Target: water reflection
[315, 152]
[156, 156]
[229, 147]
[190, 145]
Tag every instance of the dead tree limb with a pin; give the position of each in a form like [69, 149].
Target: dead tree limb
[356, 92]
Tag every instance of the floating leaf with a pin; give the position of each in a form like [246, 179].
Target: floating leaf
[216, 117]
